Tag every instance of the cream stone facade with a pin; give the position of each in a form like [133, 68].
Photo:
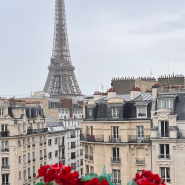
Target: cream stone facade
[23, 142]
[116, 134]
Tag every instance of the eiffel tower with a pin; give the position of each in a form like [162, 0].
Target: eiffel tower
[61, 80]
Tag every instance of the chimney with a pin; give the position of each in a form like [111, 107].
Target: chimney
[97, 95]
[154, 92]
[135, 92]
[111, 93]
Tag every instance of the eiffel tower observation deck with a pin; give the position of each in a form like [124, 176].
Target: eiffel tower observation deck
[61, 80]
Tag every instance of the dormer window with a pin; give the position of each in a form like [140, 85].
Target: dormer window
[37, 112]
[1, 112]
[165, 103]
[142, 112]
[115, 112]
[22, 111]
[90, 112]
[30, 113]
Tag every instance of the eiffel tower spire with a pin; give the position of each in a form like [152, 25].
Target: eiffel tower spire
[61, 79]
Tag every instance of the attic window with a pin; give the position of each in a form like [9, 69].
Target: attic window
[90, 112]
[142, 112]
[115, 112]
[165, 103]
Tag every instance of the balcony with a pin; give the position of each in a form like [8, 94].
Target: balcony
[115, 139]
[41, 158]
[164, 157]
[115, 160]
[28, 146]
[5, 133]
[29, 161]
[33, 145]
[140, 161]
[37, 131]
[5, 150]
[72, 136]
[138, 139]
[62, 157]
[167, 180]
[29, 177]
[116, 181]
[45, 156]
[81, 163]
[33, 160]
[5, 167]
[91, 157]
[40, 144]
[81, 154]
[5, 183]
[44, 142]
[91, 138]
[34, 175]
[61, 145]
[74, 157]
[86, 156]
[73, 146]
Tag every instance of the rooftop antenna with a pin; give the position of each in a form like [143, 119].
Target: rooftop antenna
[168, 63]
[151, 73]
[102, 87]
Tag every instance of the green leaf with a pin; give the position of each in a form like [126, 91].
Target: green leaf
[40, 183]
[103, 171]
[132, 182]
[89, 176]
[101, 178]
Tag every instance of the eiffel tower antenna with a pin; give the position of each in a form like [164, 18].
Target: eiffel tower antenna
[61, 80]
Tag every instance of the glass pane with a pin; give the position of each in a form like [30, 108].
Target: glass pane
[168, 173]
[167, 150]
[162, 173]
[162, 150]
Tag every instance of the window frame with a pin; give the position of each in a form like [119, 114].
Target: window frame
[138, 107]
[116, 114]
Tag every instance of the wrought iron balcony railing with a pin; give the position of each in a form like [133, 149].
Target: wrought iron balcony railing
[5, 150]
[116, 181]
[167, 180]
[91, 138]
[91, 157]
[115, 139]
[5, 167]
[28, 146]
[45, 156]
[116, 160]
[5, 133]
[40, 144]
[41, 158]
[72, 136]
[138, 139]
[29, 177]
[140, 161]
[34, 174]
[86, 156]
[33, 160]
[61, 157]
[29, 161]
[37, 131]
[61, 145]
[33, 145]
[164, 156]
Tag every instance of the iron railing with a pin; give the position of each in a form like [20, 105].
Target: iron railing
[138, 139]
[72, 136]
[86, 156]
[28, 146]
[29, 161]
[115, 139]
[5, 167]
[34, 175]
[167, 180]
[5, 133]
[40, 144]
[115, 160]
[91, 157]
[41, 158]
[91, 138]
[61, 145]
[164, 156]
[62, 157]
[116, 181]
[140, 161]
[33, 145]
[33, 160]
[37, 131]
[29, 177]
[45, 156]
[5, 150]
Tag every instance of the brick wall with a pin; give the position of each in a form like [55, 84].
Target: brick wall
[67, 103]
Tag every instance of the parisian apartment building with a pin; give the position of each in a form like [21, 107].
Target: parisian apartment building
[23, 142]
[131, 132]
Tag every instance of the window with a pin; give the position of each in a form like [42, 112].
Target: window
[5, 179]
[115, 134]
[24, 158]
[28, 156]
[24, 141]
[90, 112]
[19, 127]
[19, 143]
[73, 155]
[33, 169]
[4, 127]
[56, 153]
[5, 162]
[164, 151]
[19, 174]
[38, 125]
[55, 140]
[33, 155]
[40, 153]
[40, 138]
[140, 135]
[19, 159]
[49, 155]
[44, 152]
[1, 112]
[42, 125]
[30, 113]
[116, 176]
[115, 155]
[115, 112]
[22, 111]
[81, 151]
[28, 172]
[37, 112]
[165, 174]
[165, 103]
[44, 138]
[49, 142]
[163, 129]
[81, 161]
[28, 141]
[4, 146]
[24, 127]
[142, 112]
[73, 145]
[81, 171]
[33, 140]
[73, 165]
[24, 174]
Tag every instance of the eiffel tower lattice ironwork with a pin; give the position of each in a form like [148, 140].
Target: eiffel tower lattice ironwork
[61, 78]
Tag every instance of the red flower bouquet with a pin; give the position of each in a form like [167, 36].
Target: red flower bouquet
[62, 175]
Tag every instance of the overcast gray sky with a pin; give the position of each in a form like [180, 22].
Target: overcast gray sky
[107, 38]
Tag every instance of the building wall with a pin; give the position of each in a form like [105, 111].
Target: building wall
[171, 81]
[144, 85]
[128, 152]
